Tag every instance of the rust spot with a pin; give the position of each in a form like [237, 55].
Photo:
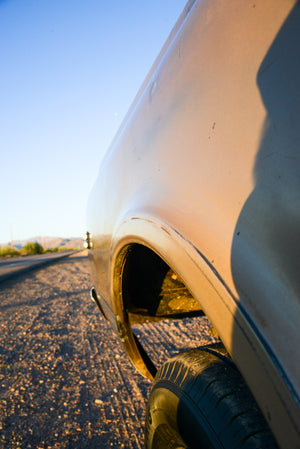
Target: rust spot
[165, 230]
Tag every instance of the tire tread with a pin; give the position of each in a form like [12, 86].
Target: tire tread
[212, 385]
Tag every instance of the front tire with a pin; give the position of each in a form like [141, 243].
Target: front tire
[199, 400]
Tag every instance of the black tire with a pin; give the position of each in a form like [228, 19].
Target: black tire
[199, 400]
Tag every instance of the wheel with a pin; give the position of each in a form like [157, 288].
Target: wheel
[199, 400]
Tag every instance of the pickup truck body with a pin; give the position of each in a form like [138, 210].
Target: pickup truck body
[204, 174]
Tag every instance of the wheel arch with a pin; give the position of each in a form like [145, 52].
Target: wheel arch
[142, 233]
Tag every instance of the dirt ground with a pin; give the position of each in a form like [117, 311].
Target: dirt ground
[65, 381]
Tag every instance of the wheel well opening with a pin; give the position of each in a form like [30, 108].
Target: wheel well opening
[151, 289]
[153, 300]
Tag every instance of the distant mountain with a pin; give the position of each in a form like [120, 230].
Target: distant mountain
[52, 242]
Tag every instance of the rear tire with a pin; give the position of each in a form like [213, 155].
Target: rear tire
[199, 400]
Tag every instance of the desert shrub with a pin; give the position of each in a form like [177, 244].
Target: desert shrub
[51, 250]
[32, 248]
[8, 251]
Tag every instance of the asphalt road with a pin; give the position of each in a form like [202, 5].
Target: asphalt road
[65, 380]
[10, 267]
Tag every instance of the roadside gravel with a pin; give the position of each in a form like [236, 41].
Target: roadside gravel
[65, 381]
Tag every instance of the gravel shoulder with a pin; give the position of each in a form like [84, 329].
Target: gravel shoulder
[65, 381]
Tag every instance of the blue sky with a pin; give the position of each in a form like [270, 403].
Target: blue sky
[69, 72]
